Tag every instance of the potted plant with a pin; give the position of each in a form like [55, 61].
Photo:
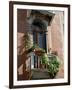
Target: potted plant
[39, 51]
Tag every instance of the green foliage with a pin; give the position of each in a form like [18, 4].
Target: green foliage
[52, 63]
[44, 58]
[53, 66]
[34, 46]
[27, 41]
[43, 50]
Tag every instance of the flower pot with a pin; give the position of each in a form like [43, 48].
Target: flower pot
[39, 52]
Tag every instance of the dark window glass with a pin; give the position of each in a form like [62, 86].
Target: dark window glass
[40, 40]
[34, 37]
[44, 41]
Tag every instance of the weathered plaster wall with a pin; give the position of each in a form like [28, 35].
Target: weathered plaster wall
[57, 38]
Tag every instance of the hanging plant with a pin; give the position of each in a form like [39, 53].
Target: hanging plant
[27, 41]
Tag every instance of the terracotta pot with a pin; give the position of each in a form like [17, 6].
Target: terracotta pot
[39, 53]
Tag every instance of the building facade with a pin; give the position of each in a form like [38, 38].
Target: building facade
[49, 36]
